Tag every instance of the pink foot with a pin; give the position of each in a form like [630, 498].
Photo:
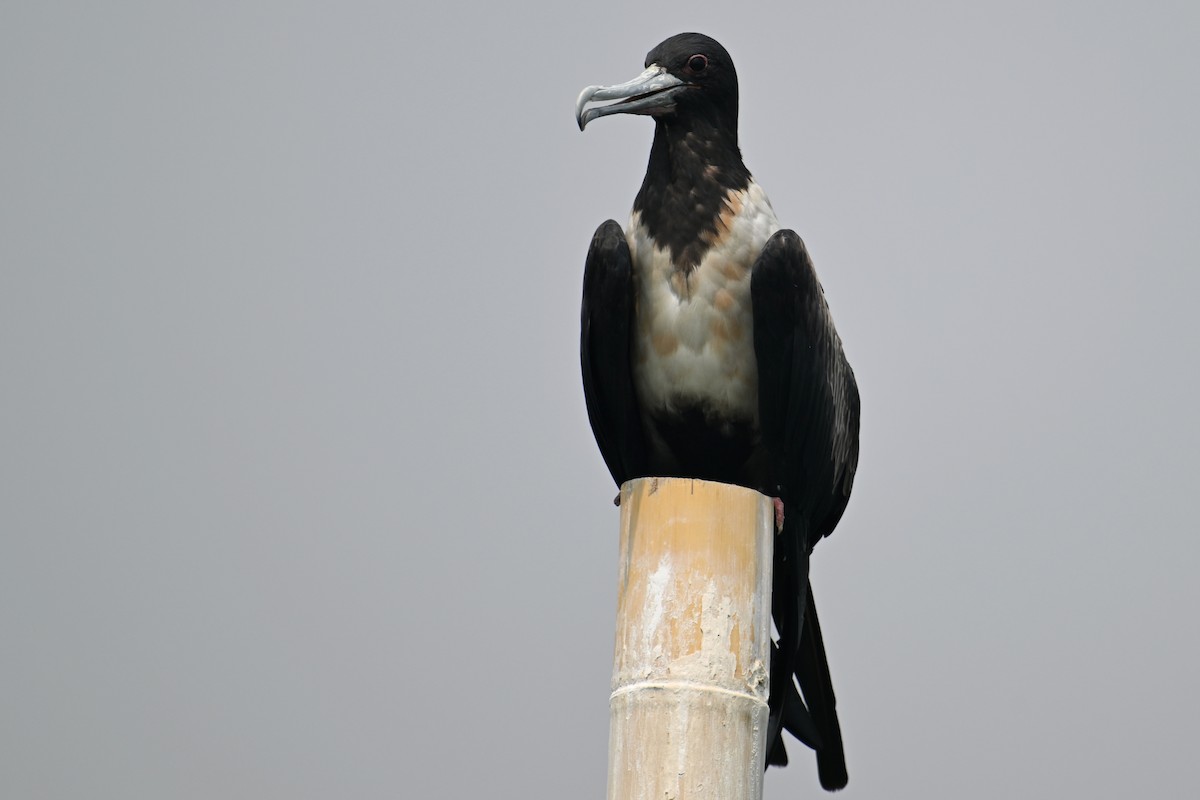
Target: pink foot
[778, 514]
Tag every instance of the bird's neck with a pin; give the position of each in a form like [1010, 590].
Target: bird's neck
[693, 167]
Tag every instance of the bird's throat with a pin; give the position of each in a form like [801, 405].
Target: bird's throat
[692, 170]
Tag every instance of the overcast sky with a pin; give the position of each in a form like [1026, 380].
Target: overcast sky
[297, 492]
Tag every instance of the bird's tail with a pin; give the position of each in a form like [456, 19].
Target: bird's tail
[812, 670]
[801, 653]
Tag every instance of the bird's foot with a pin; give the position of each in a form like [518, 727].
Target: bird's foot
[617, 500]
[778, 514]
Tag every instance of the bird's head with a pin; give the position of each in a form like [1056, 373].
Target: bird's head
[689, 76]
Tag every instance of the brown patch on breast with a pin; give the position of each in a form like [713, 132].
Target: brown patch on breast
[679, 283]
[732, 207]
[723, 300]
[731, 270]
[725, 329]
[735, 328]
[664, 343]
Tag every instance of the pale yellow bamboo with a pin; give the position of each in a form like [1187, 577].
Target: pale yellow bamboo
[690, 673]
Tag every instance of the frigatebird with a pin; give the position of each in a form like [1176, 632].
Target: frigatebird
[708, 351]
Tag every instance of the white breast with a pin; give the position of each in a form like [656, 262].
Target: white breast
[694, 341]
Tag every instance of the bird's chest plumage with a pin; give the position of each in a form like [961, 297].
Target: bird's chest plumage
[694, 334]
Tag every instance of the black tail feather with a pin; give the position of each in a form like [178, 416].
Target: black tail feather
[812, 720]
[812, 670]
[787, 607]
[801, 653]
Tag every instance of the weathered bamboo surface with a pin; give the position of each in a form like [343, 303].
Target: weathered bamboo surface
[690, 671]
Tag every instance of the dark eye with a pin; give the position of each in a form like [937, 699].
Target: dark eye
[697, 63]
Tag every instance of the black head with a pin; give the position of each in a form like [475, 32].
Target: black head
[690, 88]
[702, 64]
[689, 77]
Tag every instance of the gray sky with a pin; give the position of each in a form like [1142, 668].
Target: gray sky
[297, 493]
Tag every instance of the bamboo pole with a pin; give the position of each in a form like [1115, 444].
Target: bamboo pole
[688, 711]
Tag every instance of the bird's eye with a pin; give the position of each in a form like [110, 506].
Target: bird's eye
[697, 63]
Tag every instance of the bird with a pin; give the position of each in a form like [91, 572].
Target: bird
[708, 351]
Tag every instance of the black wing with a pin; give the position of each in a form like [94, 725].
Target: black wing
[605, 353]
[809, 415]
[808, 400]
